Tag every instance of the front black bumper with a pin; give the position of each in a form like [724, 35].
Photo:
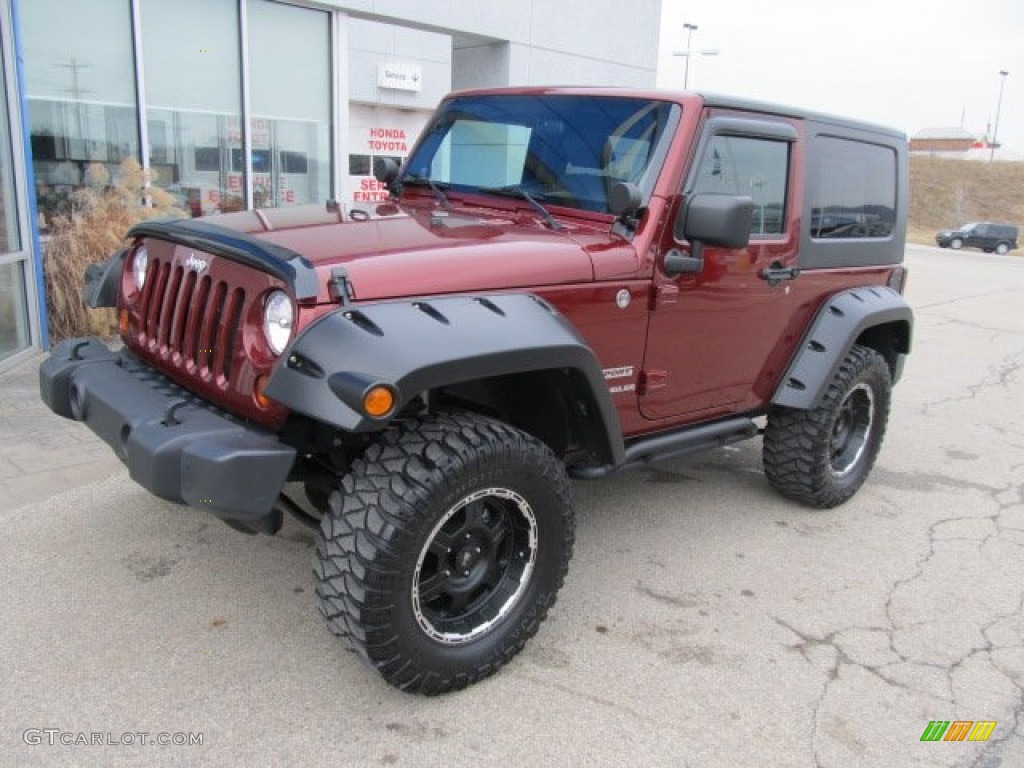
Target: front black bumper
[175, 445]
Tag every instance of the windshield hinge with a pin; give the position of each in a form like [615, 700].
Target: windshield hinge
[339, 286]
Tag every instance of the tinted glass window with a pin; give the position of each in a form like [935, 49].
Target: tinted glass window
[756, 168]
[294, 162]
[359, 165]
[854, 194]
[207, 158]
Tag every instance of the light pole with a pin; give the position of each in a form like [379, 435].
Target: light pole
[690, 29]
[689, 52]
[995, 131]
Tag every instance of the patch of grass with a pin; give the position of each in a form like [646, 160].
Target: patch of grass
[101, 215]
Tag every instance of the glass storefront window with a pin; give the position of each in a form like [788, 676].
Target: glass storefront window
[9, 240]
[289, 65]
[14, 330]
[81, 95]
[191, 55]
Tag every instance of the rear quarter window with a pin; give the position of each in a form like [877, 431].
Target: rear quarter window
[854, 194]
[855, 182]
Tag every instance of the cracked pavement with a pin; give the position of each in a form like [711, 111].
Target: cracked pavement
[705, 621]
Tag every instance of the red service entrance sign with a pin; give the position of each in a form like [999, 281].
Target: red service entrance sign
[370, 191]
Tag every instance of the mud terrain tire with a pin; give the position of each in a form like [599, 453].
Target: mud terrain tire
[443, 549]
[820, 457]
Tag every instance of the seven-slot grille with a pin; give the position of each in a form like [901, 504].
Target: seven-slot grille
[190, 321]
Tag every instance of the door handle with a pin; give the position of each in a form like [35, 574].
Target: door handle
[775, 273]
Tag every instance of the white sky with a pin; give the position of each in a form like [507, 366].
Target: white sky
[910, 64]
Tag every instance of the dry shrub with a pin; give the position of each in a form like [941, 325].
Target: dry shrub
[101, 215]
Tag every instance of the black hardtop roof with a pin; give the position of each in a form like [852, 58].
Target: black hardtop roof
[722, 101]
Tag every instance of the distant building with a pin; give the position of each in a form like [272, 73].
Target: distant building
[952, 142]
[960, 144]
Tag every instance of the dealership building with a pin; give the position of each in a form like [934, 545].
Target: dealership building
[238, 104]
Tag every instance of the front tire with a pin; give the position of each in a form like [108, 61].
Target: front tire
[443, 549]
[822, 456]
[956, 243]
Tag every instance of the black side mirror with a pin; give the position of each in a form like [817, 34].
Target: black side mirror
[721, 220]
[625, 201]
[385, 170]
[624, 198]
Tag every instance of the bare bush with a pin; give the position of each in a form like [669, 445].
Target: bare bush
[101, 215]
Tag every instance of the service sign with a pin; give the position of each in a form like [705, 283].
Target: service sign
[400, 76]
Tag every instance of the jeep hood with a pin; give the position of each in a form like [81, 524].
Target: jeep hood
[418, 253]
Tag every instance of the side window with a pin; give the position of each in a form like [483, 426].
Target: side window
[854, 194]
[757, 168]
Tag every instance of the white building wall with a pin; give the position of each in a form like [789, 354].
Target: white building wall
[585, 42]
[384, 120]
[374, 44]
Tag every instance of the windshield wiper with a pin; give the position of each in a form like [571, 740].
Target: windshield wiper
[424, 181]
[516, 190]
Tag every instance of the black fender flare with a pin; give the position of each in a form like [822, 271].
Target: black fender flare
[102, 281]
[836, 328]
[414, 346]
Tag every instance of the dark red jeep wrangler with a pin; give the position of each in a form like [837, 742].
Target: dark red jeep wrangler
[564, 283]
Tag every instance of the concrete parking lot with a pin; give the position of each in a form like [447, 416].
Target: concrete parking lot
[706, 621]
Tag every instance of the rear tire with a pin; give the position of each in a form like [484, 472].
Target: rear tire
[1002, 248]
[821, 457]
[443, 549]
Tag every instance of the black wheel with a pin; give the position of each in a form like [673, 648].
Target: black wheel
[1002, 248]
[822, 456]
[956, 243]
[443, 549]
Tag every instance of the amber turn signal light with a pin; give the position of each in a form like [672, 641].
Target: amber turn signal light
[258, 393]
[122, 321]
[378, 401]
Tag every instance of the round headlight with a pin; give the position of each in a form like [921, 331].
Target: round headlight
[139, 263]
[278, 318]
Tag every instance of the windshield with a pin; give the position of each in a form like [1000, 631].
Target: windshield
[562, 150]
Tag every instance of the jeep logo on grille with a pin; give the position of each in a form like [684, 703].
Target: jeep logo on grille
[194, 262]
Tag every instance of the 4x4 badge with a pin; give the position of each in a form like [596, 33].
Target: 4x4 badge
[194, 262]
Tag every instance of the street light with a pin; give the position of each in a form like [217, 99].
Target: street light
[995, 131]
[690, 29]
